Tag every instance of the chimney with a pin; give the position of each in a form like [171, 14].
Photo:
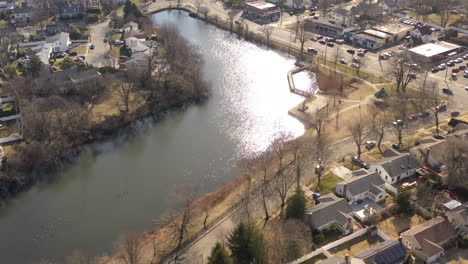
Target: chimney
[400, 239]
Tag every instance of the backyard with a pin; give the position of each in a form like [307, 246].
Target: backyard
[356, 245]
[394, 225]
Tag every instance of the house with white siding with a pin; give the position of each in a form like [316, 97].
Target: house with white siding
[361, 186]
[396, 167]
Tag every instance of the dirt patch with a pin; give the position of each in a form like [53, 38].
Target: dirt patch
[394, 225]
[334, 83]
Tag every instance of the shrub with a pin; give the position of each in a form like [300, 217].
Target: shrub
[219, 255]
[402, 201]
[318, 238]
[247, 244]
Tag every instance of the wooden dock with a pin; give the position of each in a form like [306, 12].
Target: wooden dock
[292, 86]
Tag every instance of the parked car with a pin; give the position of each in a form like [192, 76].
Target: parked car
[312, 50]
[434, 70]
[396, 146]
[450, 64]
[330, 44]
[409, 185]
[355, 65]
[343, 61]
[458, 60]
[441, 108]
[118, 42]
[466, 88]
[356, 60]
[413, 117]
[340, 41]
[424, 114]
[370, 144]
[383, 56]
[398, 122]
[351, 51]
[465, 57]
[323, 42]
[59, 55]
[412, 75]
[455, 70]
[454, 113]
[462, 67]
[465, 75]
[92, 46]
[123, 58]
[361, 54]
[78, 59]
[454, 76]
[358, 162]
[73, 53]
[363, 51]
[442, 66]
[447, 91]
[439, 136]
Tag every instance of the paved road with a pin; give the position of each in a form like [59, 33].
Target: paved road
[100, 55]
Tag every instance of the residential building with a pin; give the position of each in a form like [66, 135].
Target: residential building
[428, 240]
[69, 11]
[135, 45]
[21, 15]
[137, 63]
[358, 188]
[341, 16]
[52, 29]
[395, 168]
[330, 211]
[59, 42]
[424, 33]
[74, 79]
[458, 217]
[261, 12]
[387, 252]
[434, 52]
[389, 5]
[6, 5]
[130, 27]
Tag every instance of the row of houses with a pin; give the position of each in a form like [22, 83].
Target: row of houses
[358, 196]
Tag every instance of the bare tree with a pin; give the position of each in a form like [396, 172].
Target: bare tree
[80, 257]
[359, 132]
[455, 156]
[282, 183]
[444, 9]
[129, 248]
[379, 129]
[267, 30]
[403, 70]
[323, 154]
[300, 159]
[180, 222]
[362, 63]
[324, 5]
[336, 57]
[125, 91]
[302, 35]
[318, 120]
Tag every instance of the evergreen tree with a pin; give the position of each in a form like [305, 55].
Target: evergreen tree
[402, 201]
[34, 66]
[247, 245]
[296, 205]
[219, 255]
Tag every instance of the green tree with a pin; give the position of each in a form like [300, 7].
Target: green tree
[68, 63]
[409, 258]
[247, 244]
[219, 255]
[403, 201]
[34, 66]
[296, 205]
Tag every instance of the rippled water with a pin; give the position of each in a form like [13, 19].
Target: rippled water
[124, 183]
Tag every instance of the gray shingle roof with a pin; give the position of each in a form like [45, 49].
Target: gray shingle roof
[63, 36]
[326, 212]
[376, 190]
[395, 166]
[360, 184]
[387, 252]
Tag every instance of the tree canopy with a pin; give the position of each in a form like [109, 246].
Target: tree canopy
[247, 244]
[219, 255]
[296, 205]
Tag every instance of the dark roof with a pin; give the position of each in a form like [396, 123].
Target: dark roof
[23, 10]
[390, 153]
[327, 212]
[376, 190]
[387, 252]
[363, 183]
[395, 166]
[391, 3]
[429, 234]
[75, 76]
[425, 29]
[341, 11]
[359, 172]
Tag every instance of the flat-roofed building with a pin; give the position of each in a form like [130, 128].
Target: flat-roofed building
[261, 12]
[433, 52]
[380, 35]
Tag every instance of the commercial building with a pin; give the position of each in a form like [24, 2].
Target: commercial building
[380, 35]
[334, 24]
[433, 52]
[261, 12]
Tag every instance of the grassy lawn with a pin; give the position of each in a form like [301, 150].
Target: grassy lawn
[356, 245]
[328, 182]
[81, 50]
[314, 259]
[363, 75]
[394, 225]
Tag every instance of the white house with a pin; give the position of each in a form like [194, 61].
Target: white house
[362, 186]
[60, 42]
[341, 15]
[424, 32]
[395, 167]
[330, 211]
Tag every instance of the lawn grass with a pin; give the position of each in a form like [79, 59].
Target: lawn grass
[315, 259]
[394, 225]
[356, 245]
[363, 75]
[328, 182]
